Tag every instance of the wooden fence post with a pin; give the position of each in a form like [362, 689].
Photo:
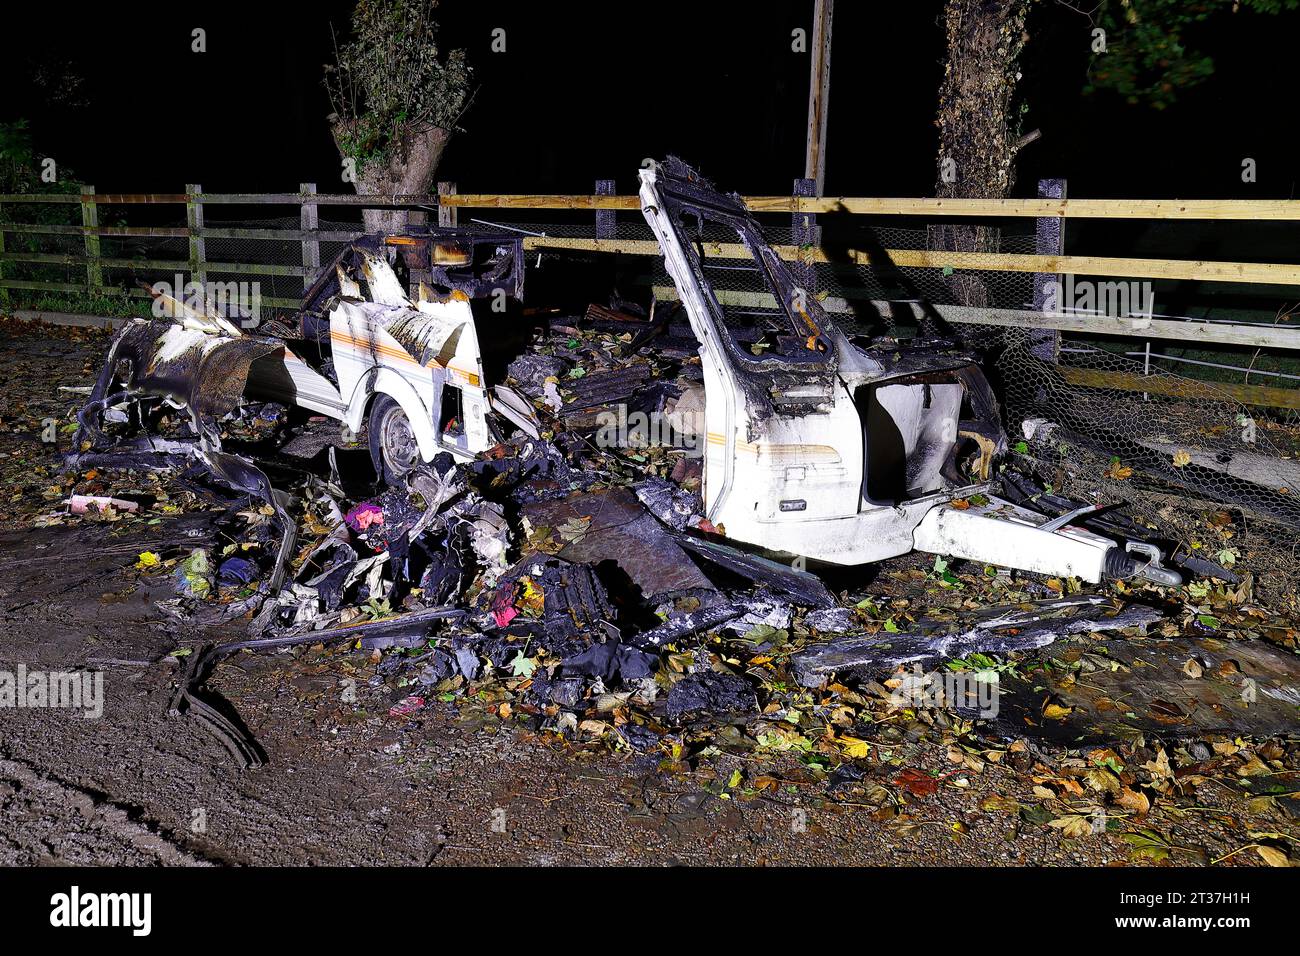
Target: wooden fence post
[89, 221]
[1049, 240]
[309, 220]
[194, 219]
[447, 217]
[605, 227]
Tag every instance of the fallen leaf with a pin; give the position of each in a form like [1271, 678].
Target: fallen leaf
[1160, 770]
[1072, 825]
[1273, 856]
[1148, 844]
[999, 804]
[1117, 471]
[1134, 800]
[917, 783]
[521, 666]
[853, 747]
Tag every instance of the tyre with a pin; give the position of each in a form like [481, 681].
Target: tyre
[393, 445]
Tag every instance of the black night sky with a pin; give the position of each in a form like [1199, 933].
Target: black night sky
[586, 90]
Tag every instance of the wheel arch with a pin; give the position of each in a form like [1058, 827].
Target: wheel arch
[384, 381]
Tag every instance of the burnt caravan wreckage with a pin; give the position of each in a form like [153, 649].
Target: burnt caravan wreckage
[361, 349]
[815, 443]
[837, 449]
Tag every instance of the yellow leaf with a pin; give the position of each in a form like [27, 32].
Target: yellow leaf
[1099, 778]
[1072, 825]
[1253, 767]
[1159, 768]
[1273, 856]
[1182, 459]
[853, 747]
[999, 804]
[1057, 712]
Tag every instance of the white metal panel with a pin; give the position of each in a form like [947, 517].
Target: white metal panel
[1005, 535]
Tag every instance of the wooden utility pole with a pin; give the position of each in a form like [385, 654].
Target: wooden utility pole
[819, 95]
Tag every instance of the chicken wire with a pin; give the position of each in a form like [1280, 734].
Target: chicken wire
[1185, 458]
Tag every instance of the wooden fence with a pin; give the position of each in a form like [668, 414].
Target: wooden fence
[1050, 261]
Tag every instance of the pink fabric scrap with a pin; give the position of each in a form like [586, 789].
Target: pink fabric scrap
[405, 706]
[364, 515]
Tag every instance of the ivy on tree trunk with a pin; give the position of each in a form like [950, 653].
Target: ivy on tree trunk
[978, 127]
[397, 99]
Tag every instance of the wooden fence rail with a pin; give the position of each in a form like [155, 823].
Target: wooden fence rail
[1248, 272]
[1287, 210]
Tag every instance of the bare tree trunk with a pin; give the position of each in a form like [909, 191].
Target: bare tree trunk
[410, 171]
[978, 135]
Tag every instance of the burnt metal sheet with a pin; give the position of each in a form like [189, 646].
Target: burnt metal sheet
[206, 372]
[622, 531]
[995, 630]
[496, 263]
[798, 375]
[802, 587]
[600, 392]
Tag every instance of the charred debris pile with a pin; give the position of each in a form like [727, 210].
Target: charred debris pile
[573, 572]
[530, 513]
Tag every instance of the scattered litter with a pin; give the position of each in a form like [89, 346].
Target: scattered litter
[362, 516]
[406, 706]
[82, 504]
[194, 574]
